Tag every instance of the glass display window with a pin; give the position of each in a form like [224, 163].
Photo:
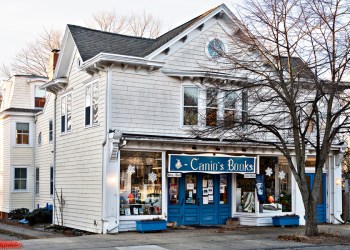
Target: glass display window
[174, 190]
[277, 184]
[245, 194]
[140, 183]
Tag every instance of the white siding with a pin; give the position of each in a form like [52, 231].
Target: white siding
[44, 153]
[79, 159]
[5, 128]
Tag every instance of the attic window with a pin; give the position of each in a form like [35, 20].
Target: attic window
[40, 95]
[215, 47]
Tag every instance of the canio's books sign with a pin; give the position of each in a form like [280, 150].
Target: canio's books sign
[211, 164]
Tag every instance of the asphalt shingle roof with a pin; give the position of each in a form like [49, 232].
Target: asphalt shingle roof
[91, 42]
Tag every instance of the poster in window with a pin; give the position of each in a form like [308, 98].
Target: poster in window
[260, 187]
[210, 190]
[205, 183]
[205, 191]
[127, 211]
[210, 183]
[222, 189]
[223, 180]
[190, 186]
[211, 198]
[205, 200]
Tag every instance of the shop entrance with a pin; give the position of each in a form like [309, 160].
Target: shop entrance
[321, 203]
[199, 199]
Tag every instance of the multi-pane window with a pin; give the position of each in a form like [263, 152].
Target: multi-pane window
[20, 179]
[40, 94]
[22, 133]
[51, 180]
[66, 113]
[229, 105]
[190, 106]
[50, 130]
[91, 104]
[37, 181]
[244, 107]
[212, 107]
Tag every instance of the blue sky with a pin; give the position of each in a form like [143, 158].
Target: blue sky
[22, 20]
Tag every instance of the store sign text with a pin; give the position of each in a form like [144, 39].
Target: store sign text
[211, 164]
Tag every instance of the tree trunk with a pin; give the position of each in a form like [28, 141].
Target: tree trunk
[310, 218]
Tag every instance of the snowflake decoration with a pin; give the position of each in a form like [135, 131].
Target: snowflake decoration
[282, 175]
[268, 171]
[131, 169]
[152, 177]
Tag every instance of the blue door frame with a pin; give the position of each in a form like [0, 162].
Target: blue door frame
[189, 207]
[321, 205]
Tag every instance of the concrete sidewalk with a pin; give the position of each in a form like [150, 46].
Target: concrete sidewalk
[210, 238]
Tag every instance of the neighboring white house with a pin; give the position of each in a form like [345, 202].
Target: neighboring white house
[121, 108]
[21, 98]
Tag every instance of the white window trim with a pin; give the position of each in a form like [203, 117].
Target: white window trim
[13, 180]
[66, 125]
[32, 93]
[90, 84]
[164, 189]
[202, 106]
[31, 139]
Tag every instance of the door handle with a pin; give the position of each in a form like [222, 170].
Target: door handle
[182, 202]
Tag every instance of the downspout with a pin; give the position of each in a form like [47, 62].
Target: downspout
[34, 163]
[104, 151]
[54, 161]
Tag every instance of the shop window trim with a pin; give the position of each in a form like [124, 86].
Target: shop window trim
[164, 189]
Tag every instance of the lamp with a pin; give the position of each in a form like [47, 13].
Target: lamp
[337, 181]
[218, 148]
[194, 147]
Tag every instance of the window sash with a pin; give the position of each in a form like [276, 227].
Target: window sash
[66, 113]
[50, 130]
[22, 133]
[51, 180]
[190, 105]
[91, 104]
[20, 179]
[37, 173]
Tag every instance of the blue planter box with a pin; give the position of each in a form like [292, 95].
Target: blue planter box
[152, 225]
[285, 221]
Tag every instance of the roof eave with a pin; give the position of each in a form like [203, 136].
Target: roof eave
[120, 59]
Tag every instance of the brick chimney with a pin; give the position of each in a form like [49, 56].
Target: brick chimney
[52, 62]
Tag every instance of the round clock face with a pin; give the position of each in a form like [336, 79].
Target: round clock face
[215, 46]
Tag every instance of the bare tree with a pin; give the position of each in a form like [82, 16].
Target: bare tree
[141, 25]
[110, 21]
[34, 58]
[292, 56]
[5, 71]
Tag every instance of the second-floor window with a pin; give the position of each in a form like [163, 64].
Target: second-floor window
[91, 104]
[213, 106]
[22, 133]
[40, 97]
[66, 113]
[37, 172]
[50, 130]
[190, 106]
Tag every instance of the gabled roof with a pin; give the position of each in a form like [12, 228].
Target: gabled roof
[91, 42]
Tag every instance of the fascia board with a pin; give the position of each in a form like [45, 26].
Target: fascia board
[65, 56]
[101, 57]
[189, 30]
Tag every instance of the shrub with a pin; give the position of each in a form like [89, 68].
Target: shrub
[40, 215]
[18, 214]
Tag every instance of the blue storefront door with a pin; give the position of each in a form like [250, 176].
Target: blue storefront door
[321, 203]
[198, 198]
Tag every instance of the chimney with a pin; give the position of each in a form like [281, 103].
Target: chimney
[52, 62]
